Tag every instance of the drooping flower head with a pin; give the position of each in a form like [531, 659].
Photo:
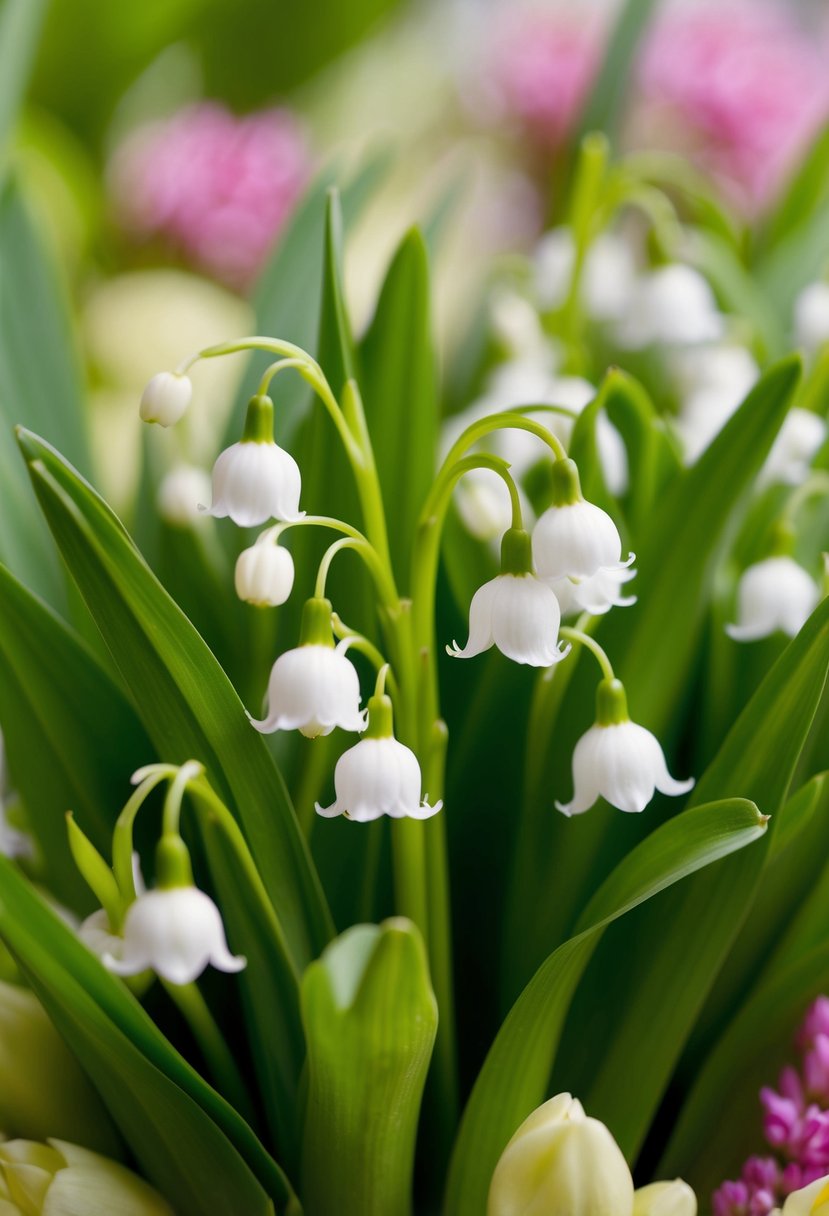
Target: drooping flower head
[256, 480]
[574, 538]
[379, 775]
[315, 686]
[166, 398]
[215, 188]
[774, 594]
[618, 760]
[264, 574]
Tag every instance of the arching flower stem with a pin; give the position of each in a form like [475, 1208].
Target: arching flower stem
[584, 639]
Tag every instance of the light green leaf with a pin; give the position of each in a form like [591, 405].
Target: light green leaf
[191, 1144]
[606, 104]
[72, 737]
[183, 697]
[20, 25]
[370, 1019]
[513, 1080]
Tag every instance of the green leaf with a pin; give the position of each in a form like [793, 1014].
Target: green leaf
[191, 1144]
[183, 697]
[513, 1080]
[399, 384]
[370, 1019]
[606, 104]
[20, 25]
[795, 260]
[805, 193]
[72, 738]
[738, 291]
[700, 922]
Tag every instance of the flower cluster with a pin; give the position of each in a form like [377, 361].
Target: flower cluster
[796, 1127]
[215, 188]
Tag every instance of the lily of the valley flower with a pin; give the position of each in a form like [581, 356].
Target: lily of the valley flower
[618, 760]
[674, 306]
[315, 686]
[264, 575]
[62, 1179]
[795, 447]
[180, 493]
[175, 930]
[166, 398]
[256, 480]
[514, 611]
[774, 594]
[811, 316]
[608, 276]
[597, 594]
[574, 538]
[379, 775]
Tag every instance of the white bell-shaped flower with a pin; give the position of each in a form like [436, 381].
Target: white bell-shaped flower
[264, 574]
[562, 1162]
[798, 440]
[574, 538]
[811, 316]
[166, 398]
[673, 306]
[179, 495]
[315, 686]
[608, 275]
[514, 611]
[379, 775]
[774, 594]
[96, 934]
[673, 1198]
[256, 480]
[712, 387]
[618, 760]
[597, 594]
[175, 930]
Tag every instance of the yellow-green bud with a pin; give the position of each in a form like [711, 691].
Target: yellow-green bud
[665, 1199]
[42, 1088]
[561, 1163]
[61, 1179]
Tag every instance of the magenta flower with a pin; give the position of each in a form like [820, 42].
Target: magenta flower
[747, 84]
[215, 188]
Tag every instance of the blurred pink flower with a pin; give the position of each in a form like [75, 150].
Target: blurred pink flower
[541, 69]
[214, 187]
[746, 81]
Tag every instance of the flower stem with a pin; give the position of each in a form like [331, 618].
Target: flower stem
[584, 639]
[122, 846]
[194, 1009]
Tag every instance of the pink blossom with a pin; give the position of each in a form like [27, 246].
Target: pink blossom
[816, 1069]
[816, 1022]
[541, 69]
[214, 187]
[731, 1199]
[748, 83]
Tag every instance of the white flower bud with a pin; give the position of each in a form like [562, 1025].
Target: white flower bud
[264, 575]
[62, 1179]
[176, 932]
[811, 1200]
[618, 760]
[665, 1199]
[674, 306]
[560, 1162]
[811, 316]
[795, 447]
[180, 493]
[774, 594]
[166, 398]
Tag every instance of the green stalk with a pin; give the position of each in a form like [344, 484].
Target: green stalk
[193, 1007]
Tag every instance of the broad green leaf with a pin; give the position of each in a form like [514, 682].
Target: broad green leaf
[72, 737]
[720, 1123]
[513, 1080]
[653, 646]
[370, 1019]
[40, 386]
[701, 921]
[794, 261]
[20, 25]
[399, 384]
[806, 191]
[183, 697]
[606, 104]
[191, 1144]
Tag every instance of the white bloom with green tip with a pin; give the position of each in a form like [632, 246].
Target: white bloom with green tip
[256, 480]
[618, 760]
[166, 398]
[774, 594]
[574, 538]
[62, 1179]
[264, 575]
[379, 775]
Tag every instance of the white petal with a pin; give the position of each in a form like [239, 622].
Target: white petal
[313, 689]
[255, 482]
[525, 620]
[480, 623]
[585, 774]
[377, 777]
[774, 594]
[176, 932]
[575, 540]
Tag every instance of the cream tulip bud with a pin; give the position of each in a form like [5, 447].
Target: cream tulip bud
[62, 1179]
[812, 1200]
[264, 575]
[166, 398]
[560, 1162]
[665, 1199]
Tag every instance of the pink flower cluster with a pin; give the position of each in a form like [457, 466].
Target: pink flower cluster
[796, 1127]
[744, 78]
[213, 187]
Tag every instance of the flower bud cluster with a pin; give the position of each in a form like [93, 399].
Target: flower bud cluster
[796, 1128]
